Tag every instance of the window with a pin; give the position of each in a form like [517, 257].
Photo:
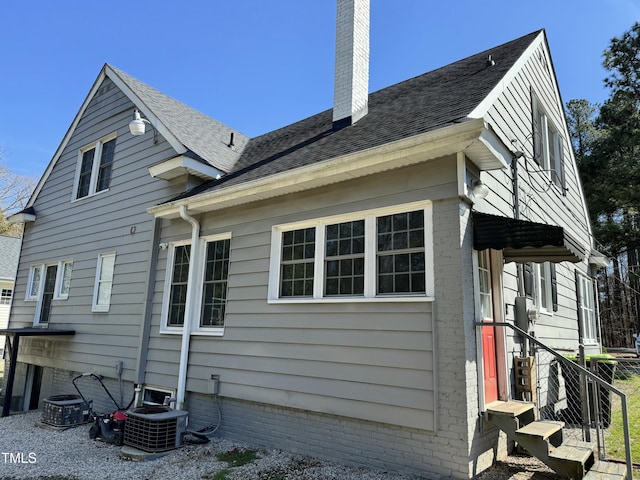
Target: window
[484, 283]
[63, 282]
[364, 255]
[586, 308]
[104, 282]
[33, 286]
[209, 299]
[48, 282]
[156, 395]
[541, 286]
[548, 145]
[179, 283]
[95, 163]
[5, 296]
[216, 272]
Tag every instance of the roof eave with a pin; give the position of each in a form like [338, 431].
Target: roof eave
[472, 136]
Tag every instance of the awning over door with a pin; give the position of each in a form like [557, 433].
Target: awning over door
[523, 241]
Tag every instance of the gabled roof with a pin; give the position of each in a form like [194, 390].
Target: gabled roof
[188, 131]
[9, 255]
[437, 99]
[199, 133]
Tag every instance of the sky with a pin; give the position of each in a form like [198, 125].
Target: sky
[257, 65]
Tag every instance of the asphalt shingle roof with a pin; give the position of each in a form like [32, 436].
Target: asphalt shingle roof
[201, 134]
[424, 103]
[9, 255]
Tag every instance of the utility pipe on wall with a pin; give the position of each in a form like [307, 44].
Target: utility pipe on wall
[188, 309]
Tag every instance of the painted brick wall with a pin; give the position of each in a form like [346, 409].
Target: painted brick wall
[351, 88]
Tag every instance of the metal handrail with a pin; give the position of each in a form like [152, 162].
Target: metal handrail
[588, 374]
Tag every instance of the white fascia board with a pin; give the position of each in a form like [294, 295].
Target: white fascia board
[483, 107]
[420, 148]
[181, 165]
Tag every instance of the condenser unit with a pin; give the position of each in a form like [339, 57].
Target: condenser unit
[65, 410]
[155, 428]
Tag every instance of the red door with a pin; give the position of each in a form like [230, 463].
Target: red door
[489, 353]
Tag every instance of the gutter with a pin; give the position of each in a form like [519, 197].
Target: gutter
[472, 136]
[188, 309]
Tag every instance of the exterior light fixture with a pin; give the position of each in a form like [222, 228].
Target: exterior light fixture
[137, 126]
[478, 189]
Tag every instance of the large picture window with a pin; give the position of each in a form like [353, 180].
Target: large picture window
[95, 163]
[367, 255]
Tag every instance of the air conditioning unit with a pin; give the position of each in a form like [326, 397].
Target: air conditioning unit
[155, 428]
[65, 410]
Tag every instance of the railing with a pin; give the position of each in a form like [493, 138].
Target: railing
[592, 402]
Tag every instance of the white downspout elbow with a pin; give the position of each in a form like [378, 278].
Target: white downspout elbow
[188, 309]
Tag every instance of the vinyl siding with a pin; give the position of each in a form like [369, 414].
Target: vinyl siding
[369, 360]
[511, 116]
[80, 230]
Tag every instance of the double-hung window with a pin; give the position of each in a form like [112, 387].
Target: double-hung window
[95, 163]
[46, 283]
[210, 274]
[104, 282]
[548, 145]
[366, 255]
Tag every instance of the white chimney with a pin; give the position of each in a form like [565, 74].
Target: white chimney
[351, 84]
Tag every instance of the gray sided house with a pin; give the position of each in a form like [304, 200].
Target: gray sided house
[321, 283]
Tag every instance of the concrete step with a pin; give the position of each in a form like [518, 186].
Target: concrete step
[607, 471]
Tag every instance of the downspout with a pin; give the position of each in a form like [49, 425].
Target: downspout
[188, 309]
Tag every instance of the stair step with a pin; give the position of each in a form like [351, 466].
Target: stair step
[541, 429]
[575, 451]
[607, 471]
[511, 408]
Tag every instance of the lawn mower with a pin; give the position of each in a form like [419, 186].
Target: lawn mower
[109, 427]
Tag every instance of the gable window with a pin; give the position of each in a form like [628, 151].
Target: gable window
[5, 296]
[586, 308]
[104, 282]
[95, 163]
[365, 255]
[548, 145]
[210, 290]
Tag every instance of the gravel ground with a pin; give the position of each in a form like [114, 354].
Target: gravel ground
[29, 451]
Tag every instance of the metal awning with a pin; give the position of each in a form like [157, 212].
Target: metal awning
[522, 241]
[13, 342]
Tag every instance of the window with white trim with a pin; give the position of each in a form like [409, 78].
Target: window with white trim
[372, 254]
[104, 282]
[95, 162]
[63, 280]
[541, 285]
[548, 145]
[209, 297]
[587, 308]
[46, 283]
[5, 296]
